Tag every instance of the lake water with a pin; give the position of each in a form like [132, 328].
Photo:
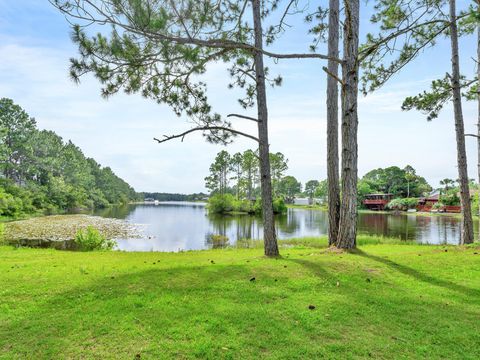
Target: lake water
[174, 226]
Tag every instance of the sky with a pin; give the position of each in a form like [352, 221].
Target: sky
[35, 49]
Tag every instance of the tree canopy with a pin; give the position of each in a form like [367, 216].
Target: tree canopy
[42, 173]
[401, 183]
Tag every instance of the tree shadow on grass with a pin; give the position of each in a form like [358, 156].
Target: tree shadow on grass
[199, 311]
[314, 267]
[419, 275]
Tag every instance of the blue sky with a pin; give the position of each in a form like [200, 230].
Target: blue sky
[35, 48]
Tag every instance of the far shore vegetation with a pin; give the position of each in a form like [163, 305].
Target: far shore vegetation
[42, 174]
[234, 188]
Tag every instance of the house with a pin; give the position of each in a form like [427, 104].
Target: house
[377, 201]
[429, 200]
[302, 201]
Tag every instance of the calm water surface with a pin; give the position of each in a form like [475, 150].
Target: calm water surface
[174, 226]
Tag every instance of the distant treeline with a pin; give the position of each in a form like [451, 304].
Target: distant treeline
[40, 173]
[173, 197]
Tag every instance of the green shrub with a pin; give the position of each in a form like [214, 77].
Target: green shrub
[438, 206]
[221, 204]
[218, 241]
[9, 205]
[90, 239]
[475, 204]
[403, 204]
[243, 206]
[450, 197]
[279, 206]
[257, 206]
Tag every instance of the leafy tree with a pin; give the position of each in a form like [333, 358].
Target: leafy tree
[45, 160]
[217, 181]
[447, 184]
[250, 169]
[236, 162]
[365, 187]
[44, 174]
[322, 189]
[16, 130]
[278, 164]
[410, 176]
[289, 187]
[311, 188]
[399, 182]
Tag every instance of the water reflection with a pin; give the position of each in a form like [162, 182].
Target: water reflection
[177, 226]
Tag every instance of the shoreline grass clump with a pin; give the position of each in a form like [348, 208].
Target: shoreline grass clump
[228, 204]
[91, 239]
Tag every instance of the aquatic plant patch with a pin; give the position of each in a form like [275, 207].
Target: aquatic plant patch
[65, 227]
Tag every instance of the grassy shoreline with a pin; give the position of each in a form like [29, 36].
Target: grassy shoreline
[365, 211]
[381, 301]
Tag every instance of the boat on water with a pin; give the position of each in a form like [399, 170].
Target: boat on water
[151, 201]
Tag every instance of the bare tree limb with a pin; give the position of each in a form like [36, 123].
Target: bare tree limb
[204, 128]
[473, 135]
[340, 81]
[243, 117]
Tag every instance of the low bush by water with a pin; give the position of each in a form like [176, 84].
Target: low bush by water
[227, 203]
[90, 239]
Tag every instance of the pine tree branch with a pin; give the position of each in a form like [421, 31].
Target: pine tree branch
[371, 49]
[214, 43]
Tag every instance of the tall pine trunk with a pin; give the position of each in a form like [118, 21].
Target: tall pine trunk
[467, 224]
[348, 212]
[269, 236]
[332, 124]
[478, 98]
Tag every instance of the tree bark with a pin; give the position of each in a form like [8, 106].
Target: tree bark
[467, 224]
[332, 124]
[269, 235]
[348, 212]
[478, 97]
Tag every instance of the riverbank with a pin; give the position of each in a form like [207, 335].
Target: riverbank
[417, 213]
[309, 207]
[385, 212]
[382, 301]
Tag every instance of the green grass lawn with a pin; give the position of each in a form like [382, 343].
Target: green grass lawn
[382, 302]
